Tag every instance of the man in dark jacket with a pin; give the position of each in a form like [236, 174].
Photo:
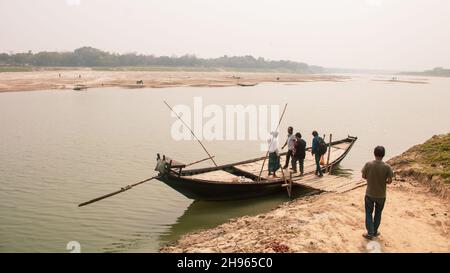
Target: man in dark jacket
[315, 152]
[300, 153]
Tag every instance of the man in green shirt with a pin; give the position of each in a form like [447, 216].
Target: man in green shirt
[378, 174]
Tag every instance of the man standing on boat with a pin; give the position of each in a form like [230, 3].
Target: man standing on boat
[290, 143]
[299, 153]
[316, 153]
[274, 158]
[378, 174]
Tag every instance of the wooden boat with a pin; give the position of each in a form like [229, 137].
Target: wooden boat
[80, 87]
[241, 179]
[247, 84]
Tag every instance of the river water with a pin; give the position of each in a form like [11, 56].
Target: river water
[60, 148]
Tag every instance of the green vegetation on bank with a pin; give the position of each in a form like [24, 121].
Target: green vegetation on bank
[98, 59]
[15, 69]
[191, 69]
[435, 156]
[152, 68]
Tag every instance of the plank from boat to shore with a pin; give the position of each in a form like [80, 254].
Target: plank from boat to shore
[351, 187]
[331, 183]
[313, 184]
[336, 184]
[344, 186]
[324, 182]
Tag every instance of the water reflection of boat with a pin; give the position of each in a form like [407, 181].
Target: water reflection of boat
[237, 180]
[208, 214]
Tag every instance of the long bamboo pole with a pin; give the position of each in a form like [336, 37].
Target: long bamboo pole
[199, 161]
[267, 154]
[329, 152]
[124, 189]
[129, 187]
[192, 132]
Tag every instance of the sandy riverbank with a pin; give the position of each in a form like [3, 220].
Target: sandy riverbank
[47, 79]
[416, 218]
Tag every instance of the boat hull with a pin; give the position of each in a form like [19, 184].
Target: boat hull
[199, 190]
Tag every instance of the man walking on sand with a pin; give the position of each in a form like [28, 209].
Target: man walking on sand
[378, 174]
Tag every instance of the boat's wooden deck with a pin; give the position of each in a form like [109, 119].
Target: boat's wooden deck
[219, 175]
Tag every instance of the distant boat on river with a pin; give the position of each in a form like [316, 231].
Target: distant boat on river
[247, 84]
[80, 87]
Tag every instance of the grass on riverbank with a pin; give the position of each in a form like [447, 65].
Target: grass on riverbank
[435, 155]
[431, 158]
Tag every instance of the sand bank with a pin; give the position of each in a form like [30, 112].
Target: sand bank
[47, 79]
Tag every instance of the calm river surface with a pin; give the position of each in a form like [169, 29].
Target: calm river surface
[60, 148]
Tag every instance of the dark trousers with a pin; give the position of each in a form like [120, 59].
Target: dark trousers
[318, 167]
[301, 163]
[373, 221]
[288, 157]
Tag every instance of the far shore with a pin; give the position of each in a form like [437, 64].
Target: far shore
[63, 79]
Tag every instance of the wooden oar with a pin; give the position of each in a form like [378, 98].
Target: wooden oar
[124, 189]
[267, 154]
[129, 187]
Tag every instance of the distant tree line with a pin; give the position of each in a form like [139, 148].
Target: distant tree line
[92, 57]
[437, 71]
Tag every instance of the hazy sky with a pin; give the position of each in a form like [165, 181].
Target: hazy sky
[375, 34]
